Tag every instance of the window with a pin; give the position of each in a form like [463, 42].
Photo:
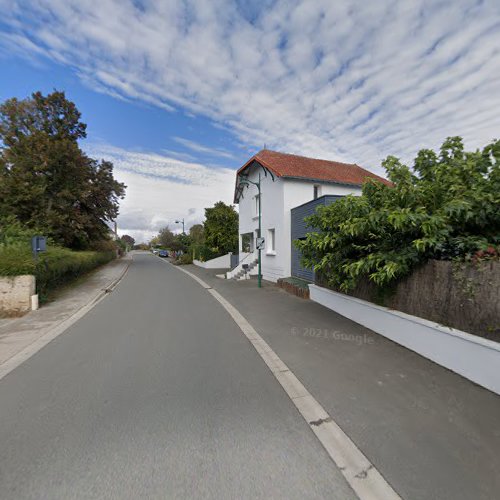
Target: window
[317, 192]
[247, 242]
[271, 242]
[257, 203]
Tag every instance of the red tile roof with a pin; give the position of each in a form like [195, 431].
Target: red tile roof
[300, 167]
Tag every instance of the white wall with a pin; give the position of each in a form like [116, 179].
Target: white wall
[474, 358]
[223, 262]
[272, 217]
[278, 198]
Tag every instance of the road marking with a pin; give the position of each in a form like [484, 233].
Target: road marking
[360, 473]
[19, 358]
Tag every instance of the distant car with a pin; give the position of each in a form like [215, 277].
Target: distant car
[162, 253]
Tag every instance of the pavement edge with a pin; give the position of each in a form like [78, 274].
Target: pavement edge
[54, 331]
[361, 475]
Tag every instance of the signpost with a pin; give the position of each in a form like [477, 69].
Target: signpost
[38, 244]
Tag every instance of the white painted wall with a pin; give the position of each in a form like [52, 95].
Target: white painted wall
[278, 198]
[272, 217]
[223, 262]
[474, 358]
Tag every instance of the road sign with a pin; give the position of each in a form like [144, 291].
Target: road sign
[260, 243]
[38, 244]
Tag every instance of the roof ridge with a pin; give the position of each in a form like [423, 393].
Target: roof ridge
[306, 157]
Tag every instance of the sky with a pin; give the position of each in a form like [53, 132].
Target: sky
[180, 94]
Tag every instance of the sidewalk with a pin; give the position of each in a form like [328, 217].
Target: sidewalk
[19, 333]
[431, 433]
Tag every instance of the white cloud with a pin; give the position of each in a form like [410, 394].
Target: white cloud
[162, 190]
[351, 80]
[200, 148]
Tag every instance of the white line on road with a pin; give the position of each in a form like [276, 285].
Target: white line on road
[360, 473]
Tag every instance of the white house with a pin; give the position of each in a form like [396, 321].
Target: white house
[286, 181]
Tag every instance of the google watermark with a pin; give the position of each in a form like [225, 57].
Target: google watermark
[324, 333]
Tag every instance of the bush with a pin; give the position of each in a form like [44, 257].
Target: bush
[14, 234]
[205, 253]
[53, 268]
[184, 259]
[61, 265]
[446, 208]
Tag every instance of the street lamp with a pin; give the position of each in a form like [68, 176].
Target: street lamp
[247, 182]
[181, 222]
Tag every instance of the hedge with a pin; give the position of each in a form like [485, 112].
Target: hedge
[54, 267]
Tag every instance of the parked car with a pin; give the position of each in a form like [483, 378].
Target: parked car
[162, 253]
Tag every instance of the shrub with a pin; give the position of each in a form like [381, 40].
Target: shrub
[446, 208]
[184, 259]
[53, 268]
[14, 234]
[61, 265]
[205, 253]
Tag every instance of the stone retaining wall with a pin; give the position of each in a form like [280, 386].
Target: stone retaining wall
[299, 291]
[15, 293]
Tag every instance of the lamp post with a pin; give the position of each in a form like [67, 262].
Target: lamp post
[247, 182]
[181, 222]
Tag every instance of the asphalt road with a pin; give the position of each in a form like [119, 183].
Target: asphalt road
[155, 393]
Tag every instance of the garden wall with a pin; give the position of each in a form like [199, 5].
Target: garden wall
[223, 262]
[462, 296]
[15, 293]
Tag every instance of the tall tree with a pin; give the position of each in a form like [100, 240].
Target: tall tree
[197, 233]
[128, 240]
[166, 238]
[221, 228]
[46, 181]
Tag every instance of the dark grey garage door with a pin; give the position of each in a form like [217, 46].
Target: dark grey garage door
[299, 230]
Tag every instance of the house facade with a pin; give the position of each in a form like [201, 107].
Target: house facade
[286, 181]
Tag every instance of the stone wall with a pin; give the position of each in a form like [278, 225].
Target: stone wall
[463, 296]
[296, 288]
[15, 293]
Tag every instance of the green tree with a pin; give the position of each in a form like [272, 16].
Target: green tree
[221, 228]
[46, 181]
[182, 242]
[166, 238]
[197, 234]
[447, 207]
[128, 240]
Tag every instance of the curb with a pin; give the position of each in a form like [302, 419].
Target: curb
[359, 472]
[105, 291]
[55, 330]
